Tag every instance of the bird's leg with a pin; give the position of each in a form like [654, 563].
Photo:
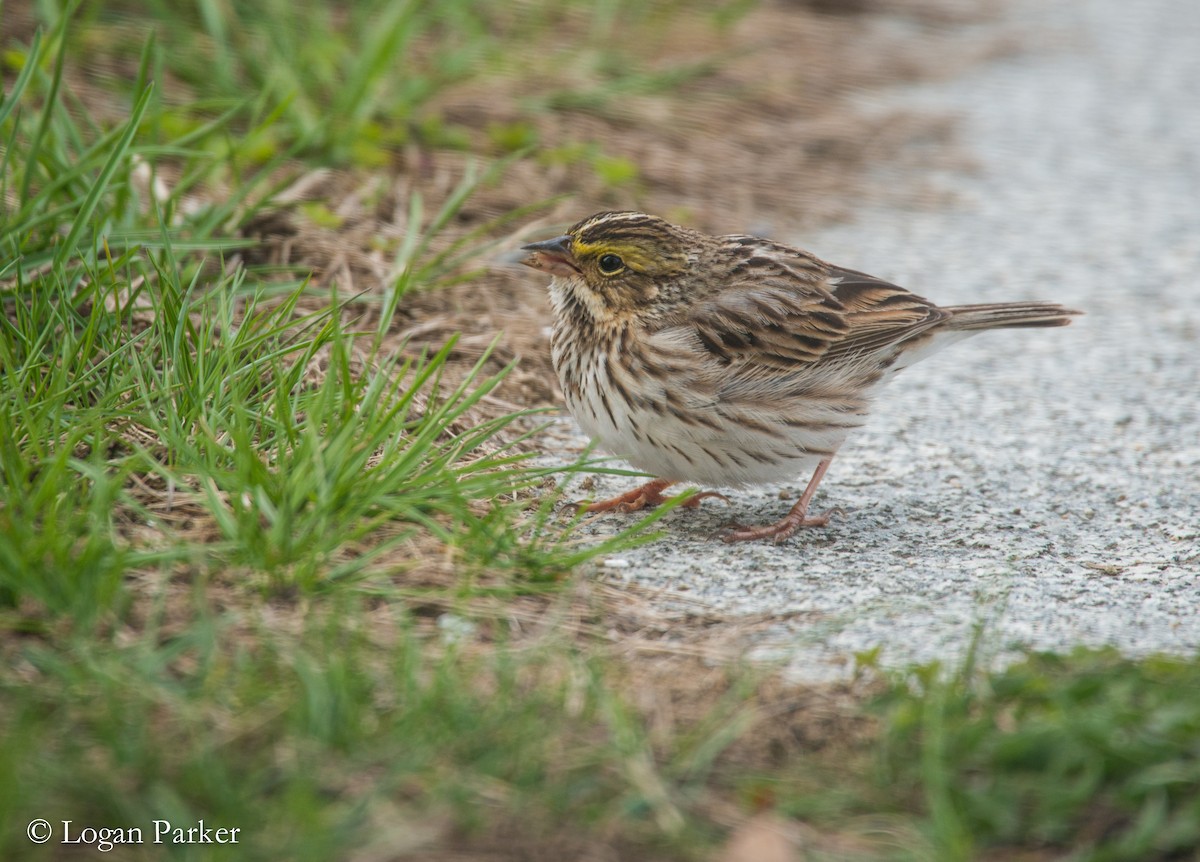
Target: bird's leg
[648, 495]
[796, 517]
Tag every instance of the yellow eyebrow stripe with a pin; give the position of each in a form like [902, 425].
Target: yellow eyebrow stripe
[633, 256]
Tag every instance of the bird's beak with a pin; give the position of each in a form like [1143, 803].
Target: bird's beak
[552, 256]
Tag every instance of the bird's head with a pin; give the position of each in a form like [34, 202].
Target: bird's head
[613, 264]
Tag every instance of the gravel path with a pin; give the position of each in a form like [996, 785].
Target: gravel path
[1043, 484]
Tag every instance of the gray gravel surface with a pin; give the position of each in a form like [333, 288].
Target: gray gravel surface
[1042, 484]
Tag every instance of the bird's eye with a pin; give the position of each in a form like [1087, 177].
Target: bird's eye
[610, 264]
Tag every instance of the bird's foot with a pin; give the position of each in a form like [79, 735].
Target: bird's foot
[780, 531]
[644, 497]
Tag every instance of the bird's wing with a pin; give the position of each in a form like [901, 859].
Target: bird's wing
[790, 319]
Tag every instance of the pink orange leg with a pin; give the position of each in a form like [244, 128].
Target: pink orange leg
[796, 518]
[645, 496]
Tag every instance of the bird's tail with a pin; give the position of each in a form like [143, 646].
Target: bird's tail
[1007, 315]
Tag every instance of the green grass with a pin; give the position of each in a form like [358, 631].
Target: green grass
[316, 743]
[134, 358]
[1089, 752]
[262, 564]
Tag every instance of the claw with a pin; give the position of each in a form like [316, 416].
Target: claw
[694, 502]
[779, 532]
[798, 517]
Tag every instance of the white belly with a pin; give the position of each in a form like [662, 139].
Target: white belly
[703, 440]
[669, 448]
